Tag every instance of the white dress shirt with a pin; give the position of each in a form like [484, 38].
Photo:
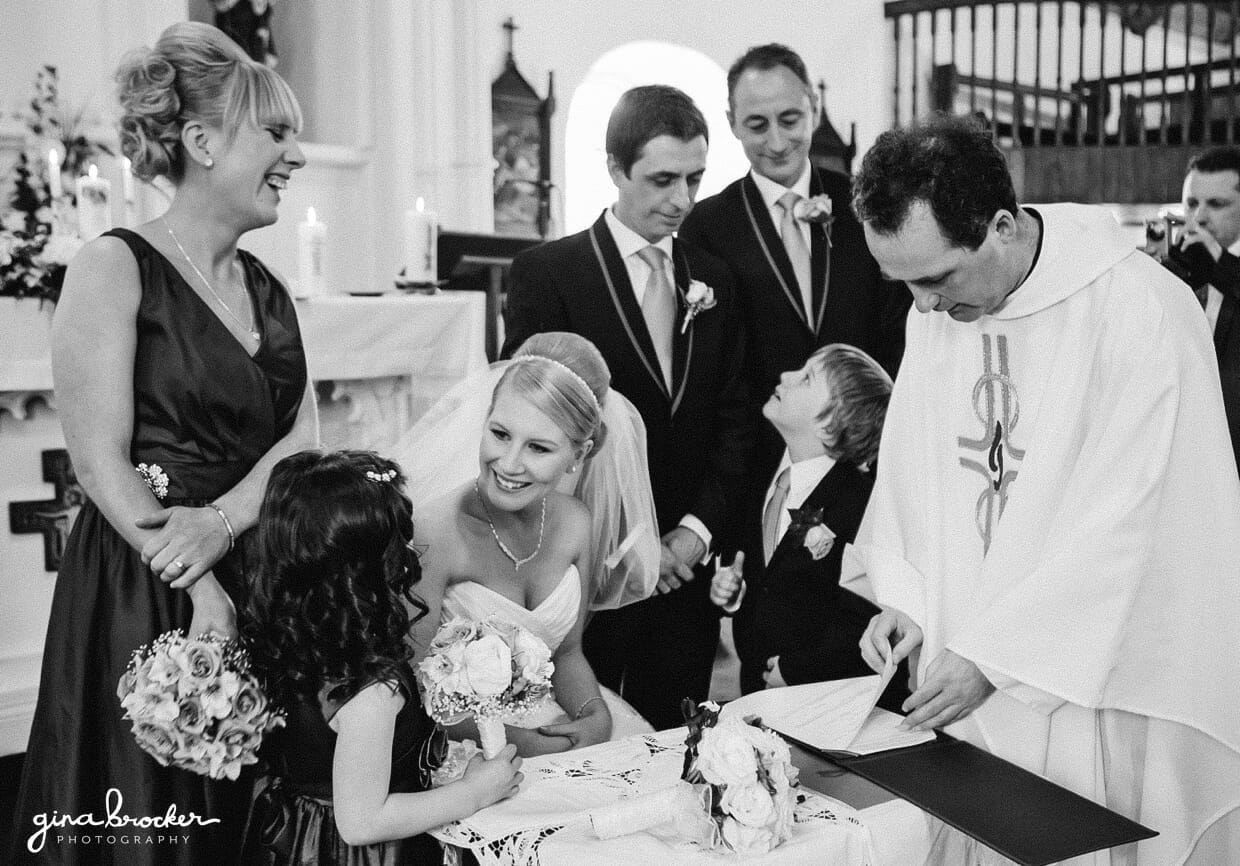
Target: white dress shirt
[630, 243]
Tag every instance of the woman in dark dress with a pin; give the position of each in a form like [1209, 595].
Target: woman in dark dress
[174, 351]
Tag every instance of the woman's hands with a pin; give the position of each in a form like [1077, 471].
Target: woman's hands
[591, 727]
[493, 780]
[188, 542]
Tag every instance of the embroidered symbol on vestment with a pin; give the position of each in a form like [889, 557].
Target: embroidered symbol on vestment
[996, 405]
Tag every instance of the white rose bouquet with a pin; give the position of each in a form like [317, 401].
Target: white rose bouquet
[490, 669]
[195, 705]
[737, 792]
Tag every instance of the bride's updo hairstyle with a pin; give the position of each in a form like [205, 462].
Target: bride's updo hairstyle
[566, 378]
[194, 72]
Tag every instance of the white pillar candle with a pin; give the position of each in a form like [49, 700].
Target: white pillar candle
[94, 208]
[311, 244]
[421, 240]
[54, 185]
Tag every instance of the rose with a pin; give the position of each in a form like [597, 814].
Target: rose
[455, 631]
[725, 755]
[156, 741]
[201, 662]
[192, 719]
[815, 209]
[532, 657]
[250, 702]
[744, 839]
[699, 297]
[750, 804]
[488, 665]
[819, 540]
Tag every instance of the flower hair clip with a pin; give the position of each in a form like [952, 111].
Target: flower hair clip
[699, 297]
[388, 475]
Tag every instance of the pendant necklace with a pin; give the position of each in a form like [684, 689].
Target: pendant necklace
[542, 524]
[249, 329]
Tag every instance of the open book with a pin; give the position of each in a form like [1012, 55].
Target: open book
[833, 716]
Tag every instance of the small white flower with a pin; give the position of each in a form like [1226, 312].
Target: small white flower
[155, 478]
[816, 209]
[819, 540]
[699, 297]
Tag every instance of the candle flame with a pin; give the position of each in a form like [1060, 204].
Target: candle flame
[94, 171]
[420, 204]
[310, 215]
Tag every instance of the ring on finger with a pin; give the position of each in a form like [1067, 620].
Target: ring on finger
[177, 564]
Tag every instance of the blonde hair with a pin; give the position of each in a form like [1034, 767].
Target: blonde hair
[565, 377]
[860, 391]
[194, 72]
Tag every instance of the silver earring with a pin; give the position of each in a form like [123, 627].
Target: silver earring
[572, 469]
[210, 163]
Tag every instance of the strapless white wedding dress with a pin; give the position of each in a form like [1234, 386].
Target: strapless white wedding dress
[551, 620]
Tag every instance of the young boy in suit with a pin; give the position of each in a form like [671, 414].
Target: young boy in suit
[793, 623]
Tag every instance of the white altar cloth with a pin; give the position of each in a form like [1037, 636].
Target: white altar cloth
[437, 336]
[546, 822]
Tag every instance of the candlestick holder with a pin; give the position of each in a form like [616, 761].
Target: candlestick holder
[418, 287]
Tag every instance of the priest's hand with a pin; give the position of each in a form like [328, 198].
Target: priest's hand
[877, 643]
[954, 687]
[681, 549]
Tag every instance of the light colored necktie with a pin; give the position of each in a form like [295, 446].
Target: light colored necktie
[659, 309]
[798, 252]
[771, 514]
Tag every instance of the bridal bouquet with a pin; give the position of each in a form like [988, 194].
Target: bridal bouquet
[195, 705]
[490, 669]
[737, 790]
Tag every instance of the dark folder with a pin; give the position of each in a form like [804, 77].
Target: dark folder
[1019, 814]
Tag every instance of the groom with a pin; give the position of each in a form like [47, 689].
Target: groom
[664, 316]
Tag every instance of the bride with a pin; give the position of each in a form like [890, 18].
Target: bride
[507, 541]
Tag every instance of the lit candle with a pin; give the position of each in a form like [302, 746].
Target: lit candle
[421, 239]
[54, 185]
[93, 205]
[311, 241]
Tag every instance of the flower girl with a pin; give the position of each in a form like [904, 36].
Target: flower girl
[326, 623]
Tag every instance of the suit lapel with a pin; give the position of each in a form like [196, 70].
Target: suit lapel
[820, 257]
[616, 275]
[819, 497]
[772, 247]
[682, 341]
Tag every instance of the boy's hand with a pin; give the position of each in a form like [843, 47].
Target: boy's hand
[772, 676]
[727, 582]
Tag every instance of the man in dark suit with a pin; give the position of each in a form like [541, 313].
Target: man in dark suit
[1211, 243]
[805, 276]
[664, 315]
[803, 627]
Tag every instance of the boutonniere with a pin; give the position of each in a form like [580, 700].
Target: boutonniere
[816, 210]
[815, 536]
[698, 297]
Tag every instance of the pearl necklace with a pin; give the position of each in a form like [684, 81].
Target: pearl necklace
[250, 328]
[542, 524]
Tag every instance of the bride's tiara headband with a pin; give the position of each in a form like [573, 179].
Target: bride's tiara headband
[570, 371]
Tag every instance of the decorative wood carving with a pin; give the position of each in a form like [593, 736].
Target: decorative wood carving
[52, 518]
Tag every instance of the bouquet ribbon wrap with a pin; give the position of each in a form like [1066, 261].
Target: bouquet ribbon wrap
[645, 811]
[491, 733]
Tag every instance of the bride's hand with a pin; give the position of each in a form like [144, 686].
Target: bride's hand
[594, 726]
[531, 742]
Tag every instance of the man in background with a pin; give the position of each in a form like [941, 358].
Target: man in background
[664, 315]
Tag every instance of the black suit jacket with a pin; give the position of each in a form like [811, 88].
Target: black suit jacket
[794, 607]
[699, 436]
[1226, 278]
[860, 308]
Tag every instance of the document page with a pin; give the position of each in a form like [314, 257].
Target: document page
[837, 715]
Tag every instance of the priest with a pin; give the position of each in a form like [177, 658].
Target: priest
[1053, 535]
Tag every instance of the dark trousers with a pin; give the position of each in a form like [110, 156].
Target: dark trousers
[657, 652]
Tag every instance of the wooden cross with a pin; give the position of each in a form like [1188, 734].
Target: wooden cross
[51, 517]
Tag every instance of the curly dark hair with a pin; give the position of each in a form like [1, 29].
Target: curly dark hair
[951, 163]
[335, 571]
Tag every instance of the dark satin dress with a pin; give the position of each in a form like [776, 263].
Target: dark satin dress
[205, 412]
[292, 820]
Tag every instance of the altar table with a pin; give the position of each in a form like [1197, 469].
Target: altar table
[843, 819]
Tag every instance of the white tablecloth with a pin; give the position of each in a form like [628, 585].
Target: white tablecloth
[438, 336]
[546, 823]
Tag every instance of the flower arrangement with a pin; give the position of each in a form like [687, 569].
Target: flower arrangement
[737, 791]
[490, 669]
[34, 250]
[815, 536]
[195, 705]
[698, 297]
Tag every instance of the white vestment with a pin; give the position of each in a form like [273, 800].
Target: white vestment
[1057, 501]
